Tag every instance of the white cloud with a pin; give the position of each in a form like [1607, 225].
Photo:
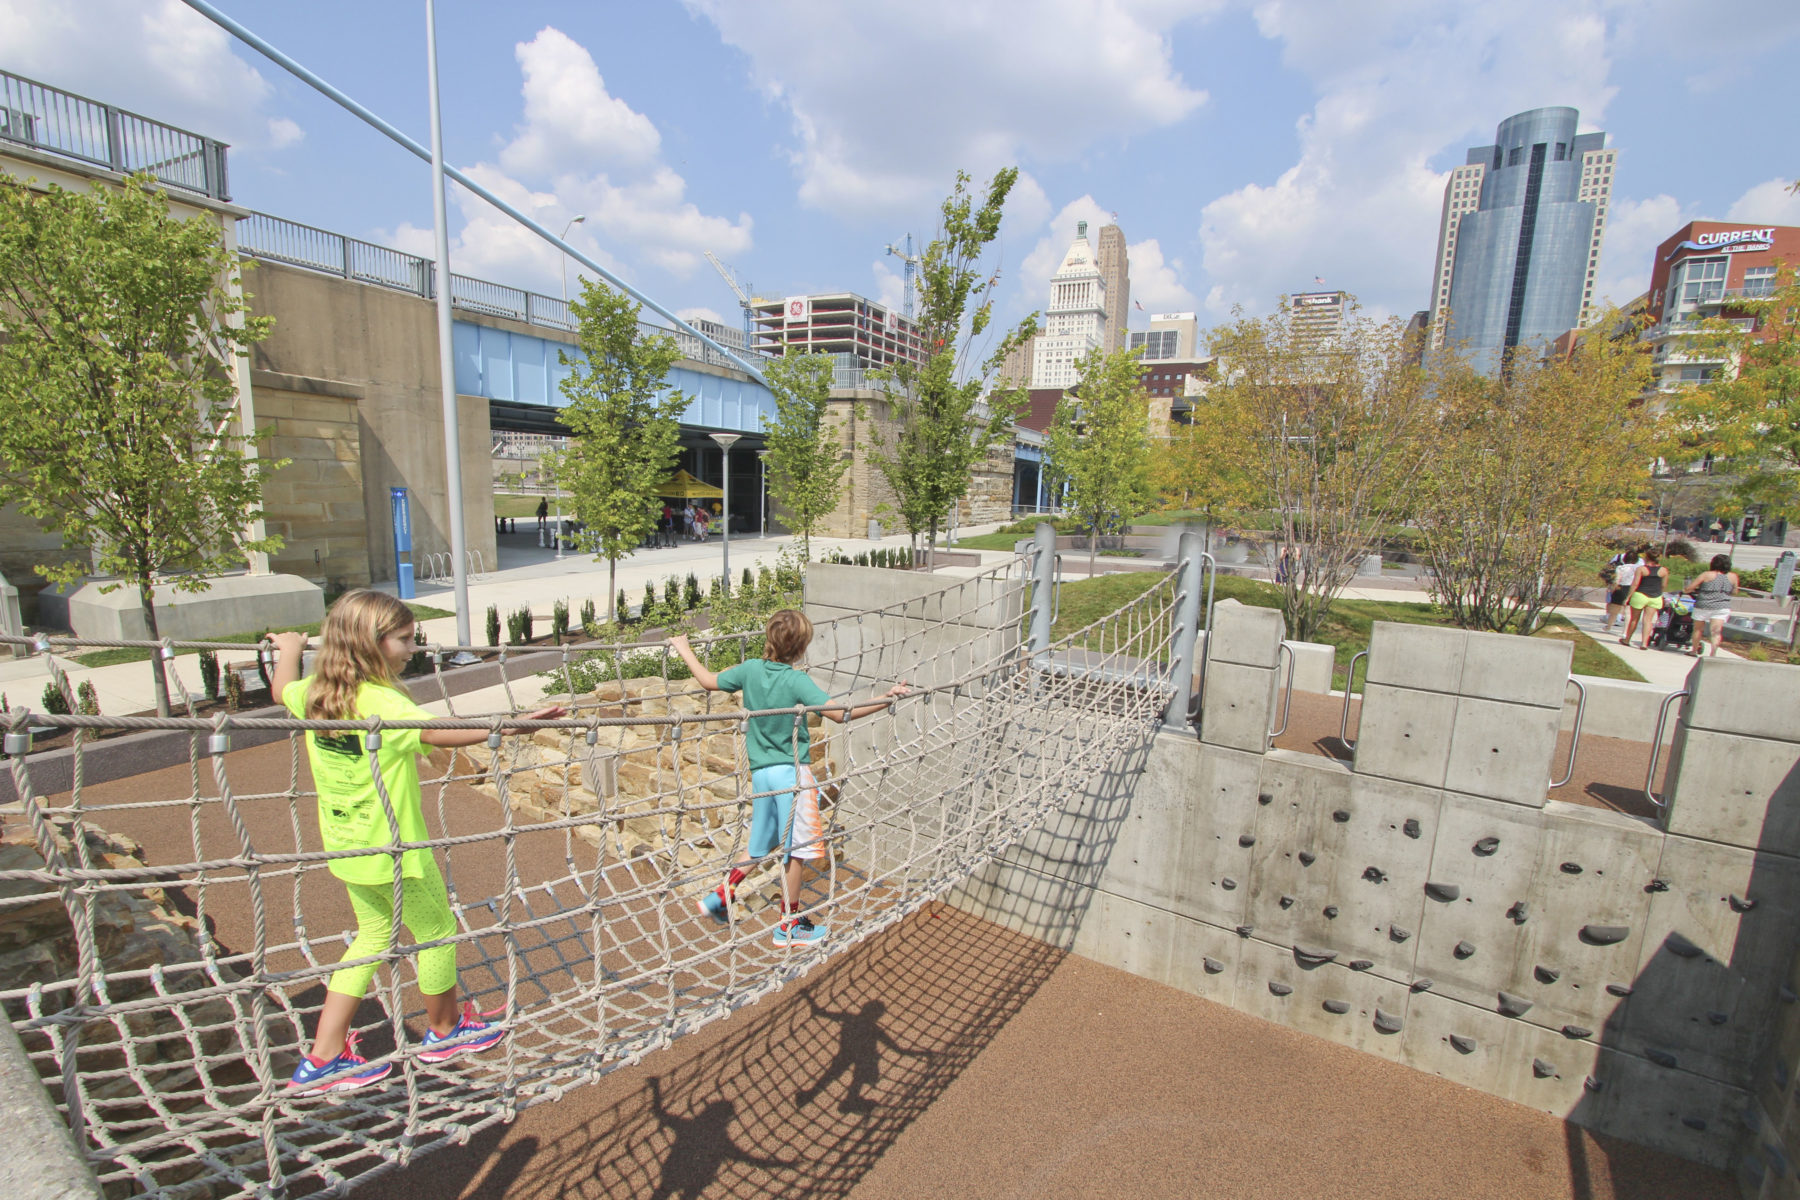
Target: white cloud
[1634, 228]
[580, 151]
[1772, 202]
[888, 101]
[1155, 282]
[700, 314]
[890, 286]
[158, 58]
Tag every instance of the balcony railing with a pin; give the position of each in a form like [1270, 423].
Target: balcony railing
[68, 126]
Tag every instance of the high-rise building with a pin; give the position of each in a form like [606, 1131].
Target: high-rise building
[1076, 320]
[857, 333]
[1171, 365]
[729, 336]
[1519, 239]
[1116, 271]
[1318, 316]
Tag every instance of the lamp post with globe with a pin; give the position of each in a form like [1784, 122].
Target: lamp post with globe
[726, 441]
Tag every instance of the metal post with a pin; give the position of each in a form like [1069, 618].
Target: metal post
[762, 507]
[1190, 563]
[726, 441]
[459, 556]
[1043, 581]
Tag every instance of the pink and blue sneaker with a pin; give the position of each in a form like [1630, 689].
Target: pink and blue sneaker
[798, 931]
[715, 904]
[345, 1073]
[472, 1035]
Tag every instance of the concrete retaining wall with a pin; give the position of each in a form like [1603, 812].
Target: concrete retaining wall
[1429, 905]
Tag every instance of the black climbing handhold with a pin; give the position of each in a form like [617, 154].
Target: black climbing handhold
[1340, 816]
[1604, 935]
[1246, 839]
[1545, 974]
[1337, 1007]
[1445, 892]
[1592, 1084]
[1717, 1017]
[1229, 884]
[1739, 904]
[1399, 933]
[1697, 1123]
[1374, 875]
[1486, 846]
[1661, 1058]
[1410, 828]
[1264, 798]
[1656, 885]
[1463, 950]
[1387, 1022]
[1277, 988]
[1577, 1032]
[1245, 931]
[1571, 868]
[1461, 1044]
[1422, 985]
[1620, 990]
[1331, 912]
[1542, 1069]
[1787, 994]
[1307, 858]
[1312, 956]
[1514, 1006]
[1286, 902]
[1519, 913]
[1213, 966]
[1681, 947]
[1360, 964]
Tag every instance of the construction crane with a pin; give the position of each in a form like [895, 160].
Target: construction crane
[911, 262]
[743, 292]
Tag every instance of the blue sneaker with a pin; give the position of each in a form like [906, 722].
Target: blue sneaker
[798, 932]
[472, 1035]
[345, 1073]
[713, 905]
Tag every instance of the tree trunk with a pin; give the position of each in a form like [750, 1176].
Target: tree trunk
[1093, 547]
[931, 546]
[612, 588]
[146, 602]
[806, 543]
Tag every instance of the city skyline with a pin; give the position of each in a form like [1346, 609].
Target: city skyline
[1244, 148]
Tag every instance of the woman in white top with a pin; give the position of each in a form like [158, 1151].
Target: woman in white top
[1625, 567]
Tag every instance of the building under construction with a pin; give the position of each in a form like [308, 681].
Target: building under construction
[857, 333]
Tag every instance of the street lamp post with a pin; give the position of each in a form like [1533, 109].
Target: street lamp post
[726, 441]
[575, 220]
[762, 508]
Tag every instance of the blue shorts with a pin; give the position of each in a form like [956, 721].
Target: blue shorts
[789, 817]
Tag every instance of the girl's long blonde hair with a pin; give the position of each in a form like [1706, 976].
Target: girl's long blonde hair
[350, 652]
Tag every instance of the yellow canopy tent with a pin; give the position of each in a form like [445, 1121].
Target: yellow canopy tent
[685, 487]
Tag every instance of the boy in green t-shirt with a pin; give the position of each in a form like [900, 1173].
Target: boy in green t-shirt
[785, 808]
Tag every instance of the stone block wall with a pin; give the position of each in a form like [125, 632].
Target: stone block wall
[1430, 905]
[315, 503]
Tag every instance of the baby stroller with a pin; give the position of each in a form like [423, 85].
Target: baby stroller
[1675, 623]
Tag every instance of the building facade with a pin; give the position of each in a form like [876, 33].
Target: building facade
[1115, 269]
[1703, 272]
[1519, 238]
[856, 332]
[1317, 316]
[1075, 321]
[1172, 366]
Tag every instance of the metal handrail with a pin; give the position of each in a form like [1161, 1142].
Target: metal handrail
[1349, 683]
[1575, 733]
[1287, 698]
[1055, 587]
[1209, 573]
[1662, 721]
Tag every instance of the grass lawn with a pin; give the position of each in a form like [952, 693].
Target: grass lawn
[507, 504]
[991, 541]
[127, 654]
[1346, 629]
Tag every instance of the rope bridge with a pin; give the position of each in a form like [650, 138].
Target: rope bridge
[187, 921]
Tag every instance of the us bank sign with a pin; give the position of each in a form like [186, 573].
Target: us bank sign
[1730, 241]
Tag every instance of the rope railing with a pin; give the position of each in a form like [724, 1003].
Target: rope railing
[191, 919]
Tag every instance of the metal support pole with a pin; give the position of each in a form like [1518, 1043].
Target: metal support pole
[1043, 589]
[1190, 564]
[726, 442]
[459, 558]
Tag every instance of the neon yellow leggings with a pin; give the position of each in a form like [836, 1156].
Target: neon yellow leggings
[427, 917]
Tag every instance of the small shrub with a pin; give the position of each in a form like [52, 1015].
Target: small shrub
[765, 582]
[624, 607]
[748, 582]
[672, 596]
[87, 700]
[1682, 548]
[559, 619]
[234, 691]
[691, 592]
[525, 621]
[647, 613]
[588, 615]
[715, 588]
[515, 628]
[209, 674]
[493, 625]
[5, 704]
[54, 701]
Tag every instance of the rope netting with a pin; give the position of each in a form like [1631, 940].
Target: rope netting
[189, 920]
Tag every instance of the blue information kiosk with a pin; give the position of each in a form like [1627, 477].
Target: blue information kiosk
[403, 567]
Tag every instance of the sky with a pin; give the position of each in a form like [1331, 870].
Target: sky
[1245, 147]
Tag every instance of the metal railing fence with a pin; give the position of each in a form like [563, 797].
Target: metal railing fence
[70, 126]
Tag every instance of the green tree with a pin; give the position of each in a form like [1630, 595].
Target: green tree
[627, 428]
[119, 419]
[945, 417]
[806, 464]
[1098, 448]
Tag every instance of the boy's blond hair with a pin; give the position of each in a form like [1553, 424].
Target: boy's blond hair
[787, 637]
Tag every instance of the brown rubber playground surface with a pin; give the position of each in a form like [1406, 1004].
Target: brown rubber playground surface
[951, 1058]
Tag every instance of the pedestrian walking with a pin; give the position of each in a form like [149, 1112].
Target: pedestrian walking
[1712, 590]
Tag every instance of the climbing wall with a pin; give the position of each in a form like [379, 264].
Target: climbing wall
[1429, 905]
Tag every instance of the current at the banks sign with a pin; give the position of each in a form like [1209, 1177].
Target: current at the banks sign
[1730, 241]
